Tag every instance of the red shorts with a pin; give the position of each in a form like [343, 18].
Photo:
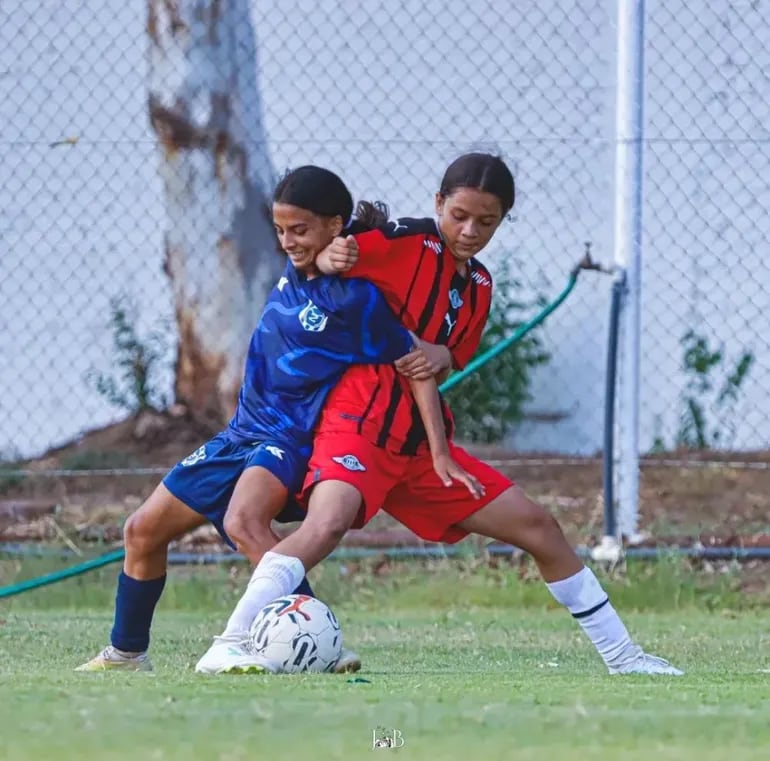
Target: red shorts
[404, 486]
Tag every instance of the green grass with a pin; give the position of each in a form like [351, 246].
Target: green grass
[468, 663]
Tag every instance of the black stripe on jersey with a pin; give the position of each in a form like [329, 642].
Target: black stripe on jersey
[369, 407]
[405, 305]
[417, 433]
[435, 289]
[390, 413]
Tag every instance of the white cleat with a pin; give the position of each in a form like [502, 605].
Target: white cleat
[226, 656]
[348, 662]
[640, 662]
[112, 659]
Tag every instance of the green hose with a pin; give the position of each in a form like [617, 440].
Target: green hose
[66, 573]
[490, 354]
[517, 335]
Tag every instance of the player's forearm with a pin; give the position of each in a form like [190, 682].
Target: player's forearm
[425, 393]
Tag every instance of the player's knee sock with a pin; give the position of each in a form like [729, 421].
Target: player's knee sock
[134, 607]
[304, 588]
[583, 596]
[275, 576]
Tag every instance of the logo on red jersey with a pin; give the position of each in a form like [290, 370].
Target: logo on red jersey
[455, 299]
[433, 245]
[350, 462]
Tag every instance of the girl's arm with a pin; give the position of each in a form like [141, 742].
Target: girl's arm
[426, 360]
[425, 393]
[338, 257]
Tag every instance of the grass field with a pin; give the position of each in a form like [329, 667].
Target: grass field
[466, 662]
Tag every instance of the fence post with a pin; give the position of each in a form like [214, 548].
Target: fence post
[628, 249]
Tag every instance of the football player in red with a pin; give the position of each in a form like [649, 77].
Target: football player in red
[370, 450]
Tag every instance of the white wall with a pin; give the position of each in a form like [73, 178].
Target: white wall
[387, 94]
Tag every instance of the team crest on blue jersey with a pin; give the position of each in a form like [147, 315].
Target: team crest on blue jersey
[350, 462]
[312, 318]
[198, 455]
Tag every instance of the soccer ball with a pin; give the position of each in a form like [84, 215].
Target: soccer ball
[297, 633]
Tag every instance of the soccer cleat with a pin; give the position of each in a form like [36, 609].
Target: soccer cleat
[348, 662]
[112, 659]
[640, 662]
[228, 656]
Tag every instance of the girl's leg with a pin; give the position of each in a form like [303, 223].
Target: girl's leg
[515, 519]
[147, 534]
[332, 510]
[257, 498]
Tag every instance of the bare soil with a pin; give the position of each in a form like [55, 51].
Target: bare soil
[719, 504]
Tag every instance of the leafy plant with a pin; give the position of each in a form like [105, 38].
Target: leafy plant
[487, 403]
[138, 362]
[704, 397]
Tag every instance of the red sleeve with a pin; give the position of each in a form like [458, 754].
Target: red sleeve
[382, 261]
[466, 348]
[374, 257]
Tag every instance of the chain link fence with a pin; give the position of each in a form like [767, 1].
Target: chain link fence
[139, 143]
[706, 280]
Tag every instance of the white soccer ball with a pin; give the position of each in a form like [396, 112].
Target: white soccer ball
[297, 633]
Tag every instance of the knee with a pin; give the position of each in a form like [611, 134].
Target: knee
[138, 537]
[250, 534]
[332, 511]
[330, 527]
[540, 526]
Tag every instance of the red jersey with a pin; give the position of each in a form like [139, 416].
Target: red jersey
[417, 274]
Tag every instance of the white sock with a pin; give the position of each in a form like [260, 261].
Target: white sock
[583, 596]
[275, 576]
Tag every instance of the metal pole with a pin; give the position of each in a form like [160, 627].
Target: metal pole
[610, 514]
[628, 249]
[610, 550]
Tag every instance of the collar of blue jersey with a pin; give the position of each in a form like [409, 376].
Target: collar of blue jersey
[294, 274]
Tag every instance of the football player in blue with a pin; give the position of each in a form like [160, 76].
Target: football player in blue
[312, 329]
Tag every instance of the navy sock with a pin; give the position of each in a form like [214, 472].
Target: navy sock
[134, 606]
[304, 588]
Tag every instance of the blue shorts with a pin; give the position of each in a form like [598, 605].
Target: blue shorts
[205, 480]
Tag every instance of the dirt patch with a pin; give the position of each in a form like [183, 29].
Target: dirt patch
[720, 504]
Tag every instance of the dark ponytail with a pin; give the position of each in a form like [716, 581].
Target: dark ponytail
[324, 193]
[480, 171]
[368, 216]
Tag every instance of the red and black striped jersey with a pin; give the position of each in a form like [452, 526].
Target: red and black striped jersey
[417, 274]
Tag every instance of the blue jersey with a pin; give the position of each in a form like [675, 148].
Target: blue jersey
[310, 332]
